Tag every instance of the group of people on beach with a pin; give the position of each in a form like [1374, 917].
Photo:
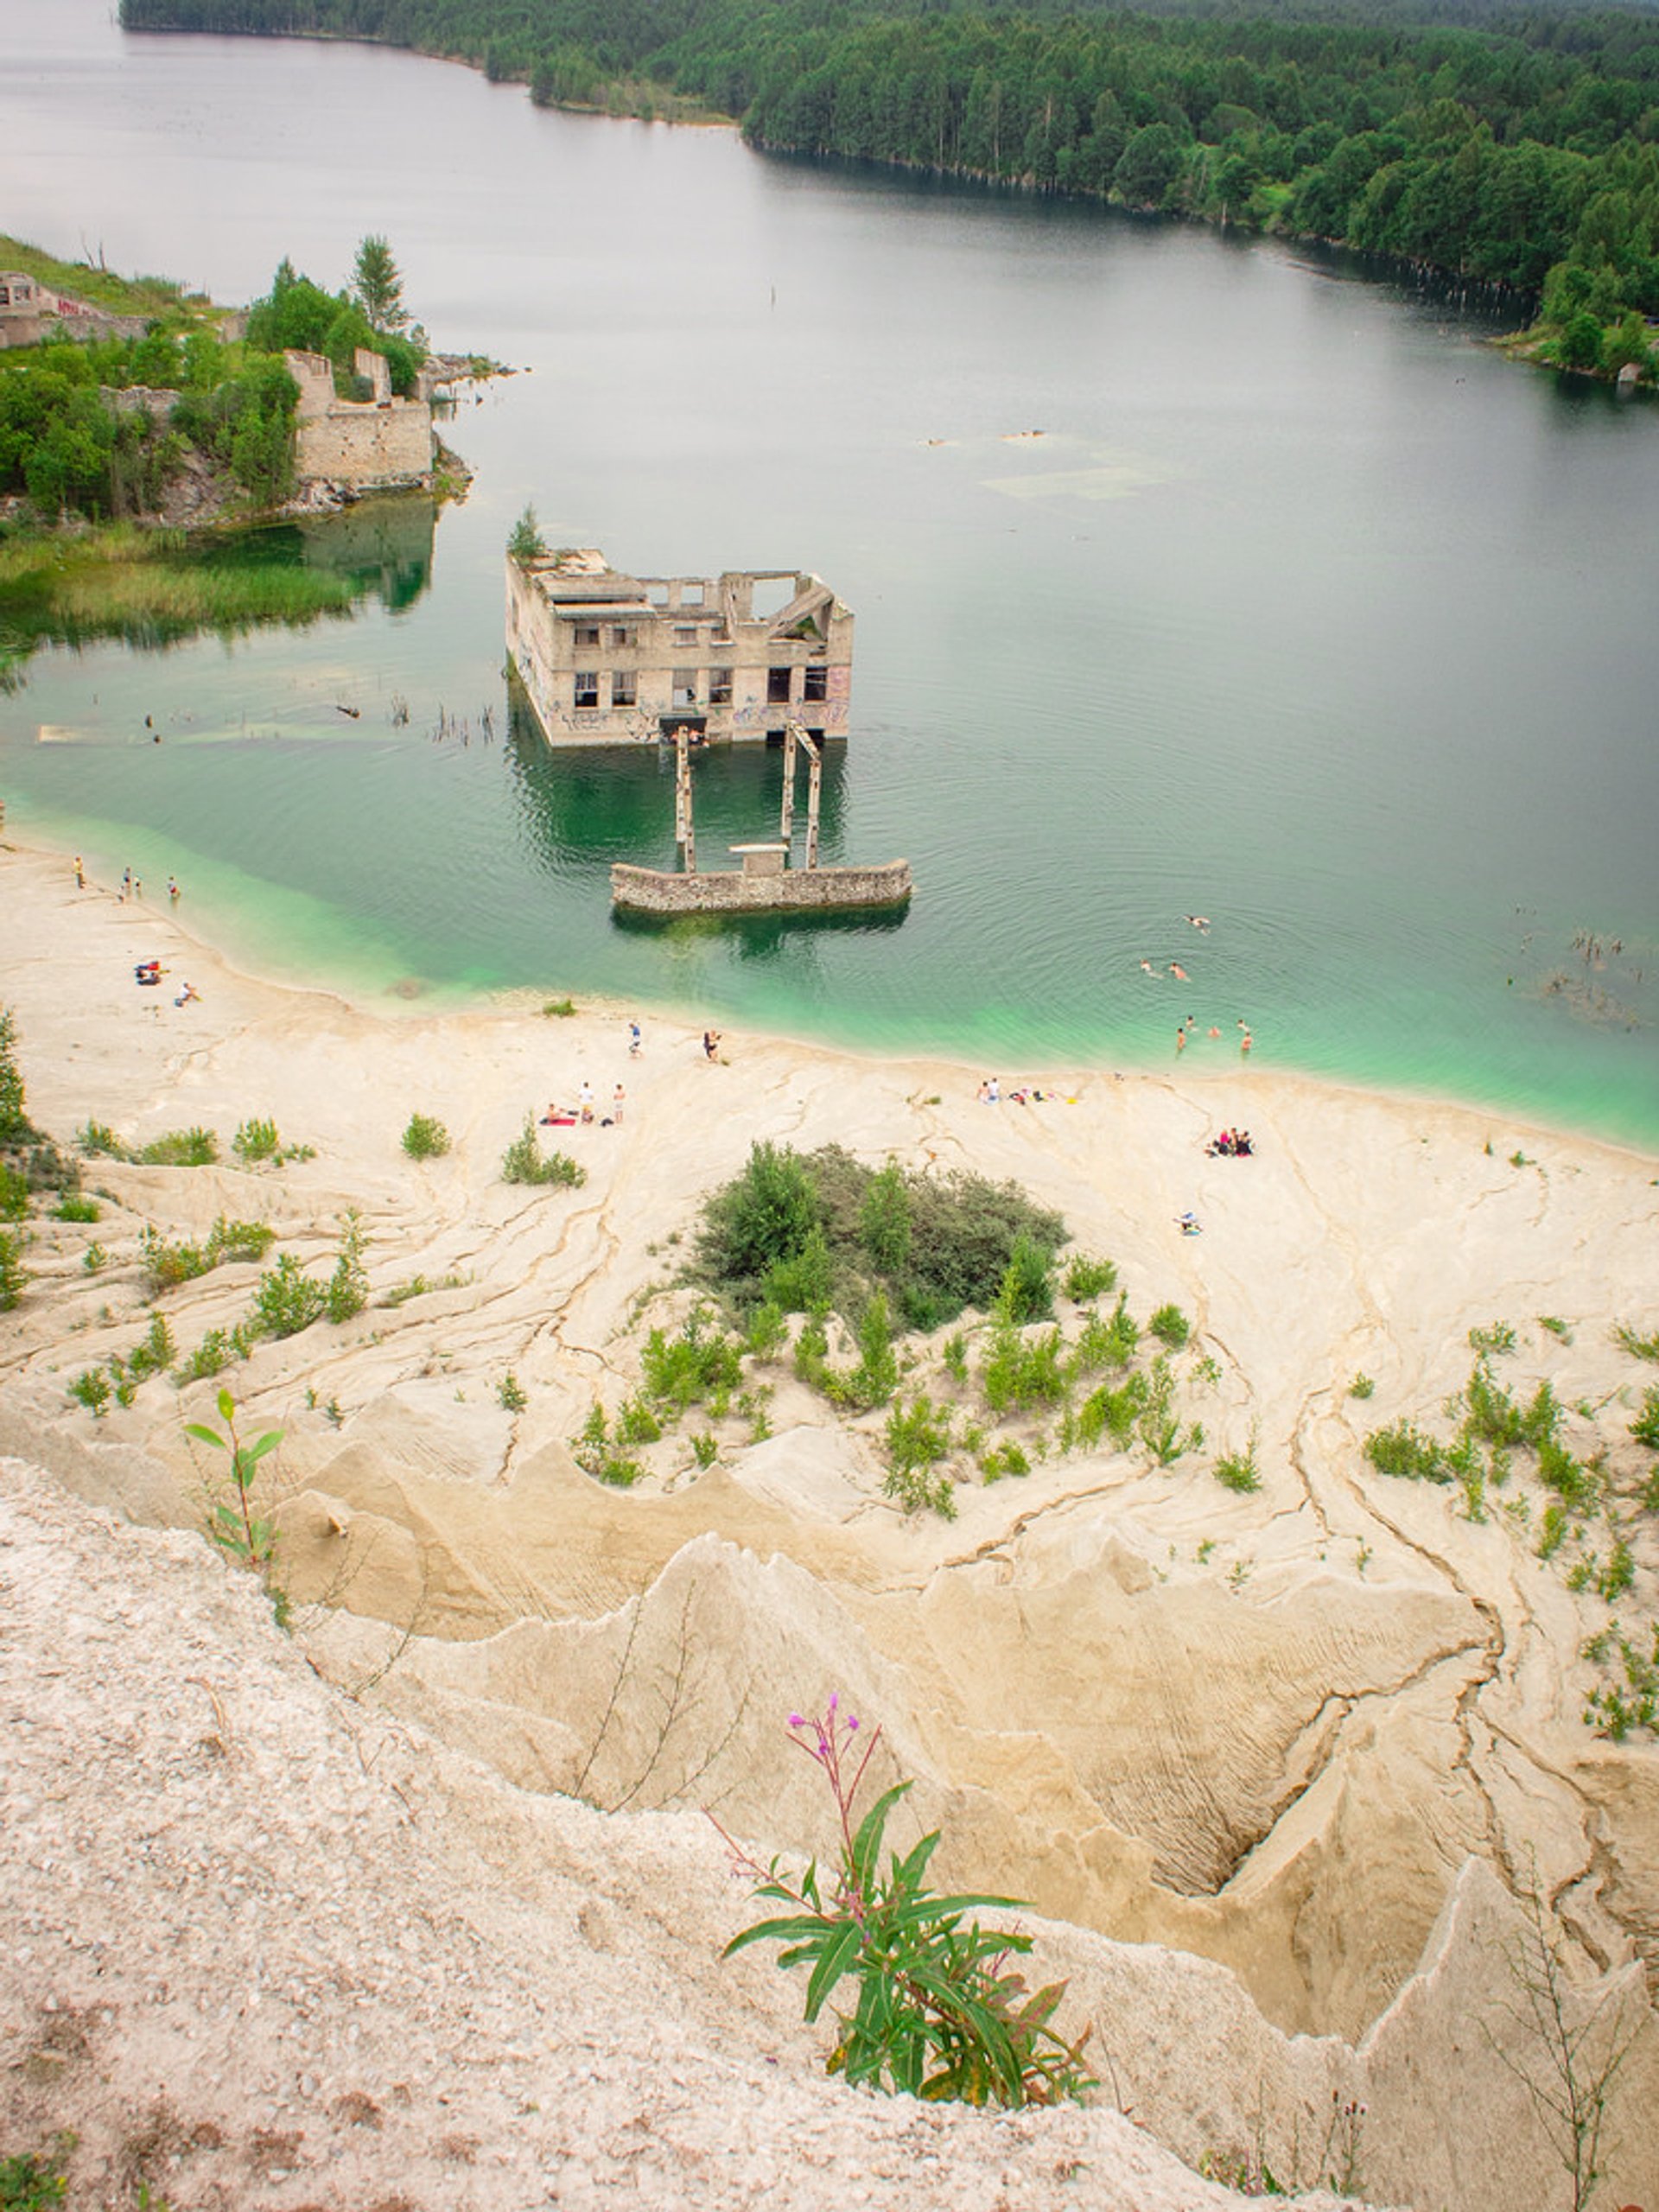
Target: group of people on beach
[1231, 1144]
[585, 1110]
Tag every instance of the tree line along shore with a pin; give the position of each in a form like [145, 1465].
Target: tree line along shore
[1520, 153]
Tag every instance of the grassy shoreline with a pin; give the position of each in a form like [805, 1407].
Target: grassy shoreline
[150, 586]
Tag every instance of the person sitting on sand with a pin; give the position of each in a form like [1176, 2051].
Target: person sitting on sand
[585, 1100]
[1189, 1224]
[186, 996]
[711, 1044]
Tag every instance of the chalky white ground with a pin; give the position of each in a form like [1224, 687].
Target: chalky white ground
[1282, 1759]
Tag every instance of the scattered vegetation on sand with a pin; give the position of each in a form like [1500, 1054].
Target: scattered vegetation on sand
[942, 2011]
[1594, 1503]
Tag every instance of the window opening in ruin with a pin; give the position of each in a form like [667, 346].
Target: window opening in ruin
[623, 641]
[588, 687]
[816, 683]
[685, 634]
[691, 595]
[624, 689]
[719, 687]
[685, 687]
[587, 635]
[657, 594]
[777, 686]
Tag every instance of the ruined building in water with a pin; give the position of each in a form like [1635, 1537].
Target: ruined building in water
[605, 657]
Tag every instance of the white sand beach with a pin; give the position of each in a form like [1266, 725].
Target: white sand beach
[1281, 1770]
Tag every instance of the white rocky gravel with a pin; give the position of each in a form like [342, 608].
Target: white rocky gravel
[260, 1947]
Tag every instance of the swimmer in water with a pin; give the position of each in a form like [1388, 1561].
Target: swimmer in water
[1147, 968]
[1179, 972]
[1199, 921]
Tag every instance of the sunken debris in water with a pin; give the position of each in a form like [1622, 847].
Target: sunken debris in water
[606, 656]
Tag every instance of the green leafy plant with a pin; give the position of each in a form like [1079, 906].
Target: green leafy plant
[240, 1532]
[1402, 1449]
[1645, 1427]
[510, 1394]
[705, 1448]
[1361, 1387]
[256, 1141]
[101, 1142]
[1085, 1278]
[594, 1453]
[1639, 1347]
[425, 1138]
[1500, 1338]
[559, 1009]
[287, 1299]
[522, 1162]
[918, 1438]
[195, 1148]
[167, 1265]
[348, 1289]
[73, 1205]
[14, 1194]
[15, 1124]
[91, 1389]
[31, 2184]
[694, 1366]
[1027, 1289]
[94, 1257]
[1170, 1326]
[941, 2011]
[524, 540]
[1005, 1458]
[1238, 1470]
[766, 1330]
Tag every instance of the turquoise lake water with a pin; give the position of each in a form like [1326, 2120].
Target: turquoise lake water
[1305, 611]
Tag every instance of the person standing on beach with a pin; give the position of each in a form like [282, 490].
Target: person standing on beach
[80, 874]
[634, 1040]
[711, 1044]
[126, 882]
[585, 1100]
[619, 1100]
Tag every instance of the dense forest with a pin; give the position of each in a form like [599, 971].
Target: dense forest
[1516, 146]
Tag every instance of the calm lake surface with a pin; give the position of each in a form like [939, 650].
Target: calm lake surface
[1305, 613]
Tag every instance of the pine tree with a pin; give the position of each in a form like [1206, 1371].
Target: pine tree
[379, 287]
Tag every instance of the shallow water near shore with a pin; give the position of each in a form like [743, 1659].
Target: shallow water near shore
[1305, 613]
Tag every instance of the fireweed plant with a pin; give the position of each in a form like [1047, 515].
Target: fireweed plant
[941, 2012]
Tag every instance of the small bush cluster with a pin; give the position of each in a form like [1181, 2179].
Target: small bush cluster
[122, 1372]
[259, 1143]
[824, 1228]
[599, 1455]
[522, 1162]
[425, 1138]
[167, 1265]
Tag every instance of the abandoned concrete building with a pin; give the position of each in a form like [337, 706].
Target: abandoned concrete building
[378, 443]
[605, 657]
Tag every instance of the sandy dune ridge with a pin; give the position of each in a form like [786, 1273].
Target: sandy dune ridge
[1276, 1767]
